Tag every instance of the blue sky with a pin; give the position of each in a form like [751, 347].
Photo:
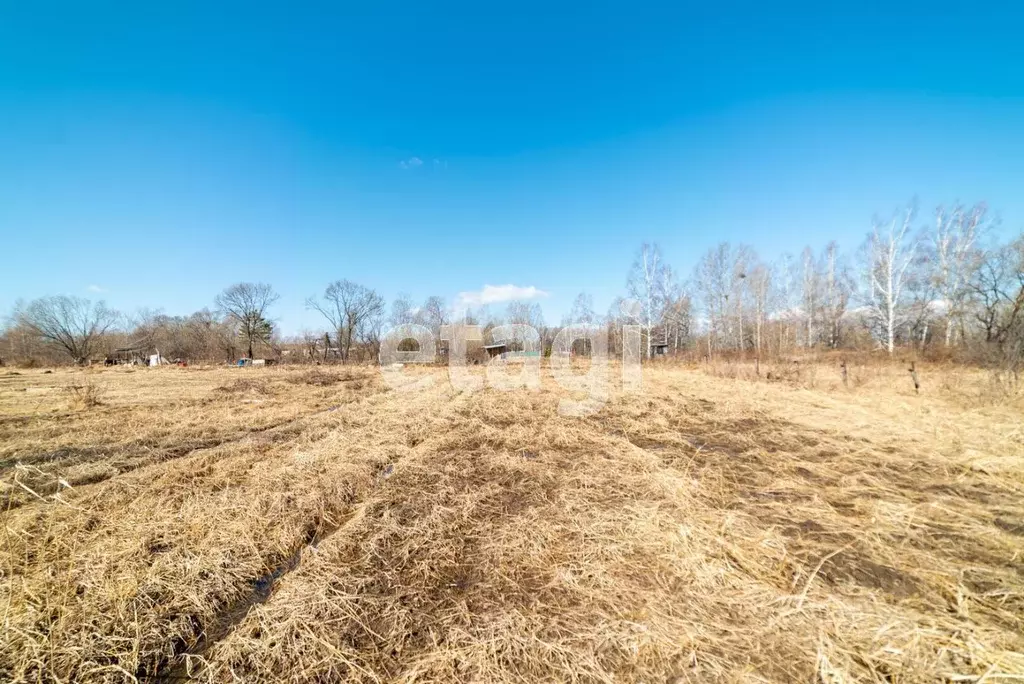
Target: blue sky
[159, 154]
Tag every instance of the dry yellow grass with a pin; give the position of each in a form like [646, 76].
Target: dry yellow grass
[268, 525]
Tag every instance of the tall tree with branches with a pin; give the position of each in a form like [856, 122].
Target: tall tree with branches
[348, 307]
[433, 314]
[997, 290]
[713, 277]
[246, 305]
[811, 293]
[401, 310]
[760, 282]
[582, 311]
[70, 324]
[836, 295]
[646, 278]
[954, 255]
[888, 252]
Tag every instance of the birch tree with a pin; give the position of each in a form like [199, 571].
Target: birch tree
[644, 284]
[742, 258]
[836, 295]
[810, 291]
[582, 311]
[786, 279]
[888, 252]
[676, 309]
[953, 243]
[713, 279]
[760, 282]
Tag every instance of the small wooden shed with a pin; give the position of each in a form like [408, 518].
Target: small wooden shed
[128, 356]
[497, 349]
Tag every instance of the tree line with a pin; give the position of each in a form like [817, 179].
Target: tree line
[948, 284]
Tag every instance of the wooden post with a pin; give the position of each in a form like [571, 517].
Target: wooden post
[913, 376]
[846, 380]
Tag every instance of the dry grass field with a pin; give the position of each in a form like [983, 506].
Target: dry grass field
[314, 525]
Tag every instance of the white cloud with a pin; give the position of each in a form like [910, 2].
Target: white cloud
[411, 163]
[492, 294]
[96, 288]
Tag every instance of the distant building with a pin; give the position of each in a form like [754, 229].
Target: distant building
[131, 356]
[497, 349]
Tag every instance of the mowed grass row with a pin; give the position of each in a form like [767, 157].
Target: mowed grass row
[697, 532]
[137, 417]
[113, 578]
[706, 529]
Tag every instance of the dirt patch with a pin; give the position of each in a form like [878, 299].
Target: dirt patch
[64, 456]
[849, 566]
[1015, 527]
[188, 661]
[648, 443]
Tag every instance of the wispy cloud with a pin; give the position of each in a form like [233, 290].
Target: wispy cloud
[96, 288]
[411, 163]
[492, 294]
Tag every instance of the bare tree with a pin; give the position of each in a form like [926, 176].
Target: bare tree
[433, 313]
[888, 252]
[582, 311]
[997, 290]
[246, 305]
[742, 259]
[617, 316]
[921, 298]
[811, 293]
[787, 279]
[70, 324]
[370, 332]
[677, 317]
[760, 280]
[713, 277]
[646, 278]
[524, 313]
[310, 341]
[348, 306]
[721, 278]
[837, 291]
[674, 316]
[401, 310]
[954, 255]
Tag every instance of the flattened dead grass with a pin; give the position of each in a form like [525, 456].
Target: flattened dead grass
[708, 529]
